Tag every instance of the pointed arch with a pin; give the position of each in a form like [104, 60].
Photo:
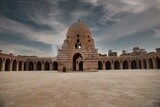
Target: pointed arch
[144, 64]
[125, 64]
[55, 65]
[81, 66]
[108, 65]
[14, 65]
[7, 65]
[25, 66]
[31, 66]
[150, 63]
[47, 66]
[100, 65]
[74, 63]
[116, 65]
[39, 66]
[20, 66]
[140, 65]
[157, 62]
[1, 64]
[134, 64]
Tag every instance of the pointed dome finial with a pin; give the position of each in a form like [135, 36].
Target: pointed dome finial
[79, 20]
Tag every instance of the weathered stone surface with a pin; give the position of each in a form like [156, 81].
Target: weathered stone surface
[78, 52]
[119, 88]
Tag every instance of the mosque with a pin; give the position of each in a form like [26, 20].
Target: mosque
[78, 53]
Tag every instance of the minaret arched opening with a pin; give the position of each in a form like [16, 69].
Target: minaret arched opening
[75, 62]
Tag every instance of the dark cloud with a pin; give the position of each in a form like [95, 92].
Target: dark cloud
[24, 12]
[19, 39]
[38, 24]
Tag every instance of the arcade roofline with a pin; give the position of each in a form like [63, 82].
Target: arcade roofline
[110, 55]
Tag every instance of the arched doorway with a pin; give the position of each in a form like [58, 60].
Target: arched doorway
[25, 66]
[157, 61]
[20, 66]
[14, 65]
[150, 63]
[81, 66]
[31, 66]
[133, 65]
[140, 65]
[1, 64]
[39, 66]
[100, 65]
[108, 65]
[55, 65]
[116, 65]
[125, 65]
[75, 57]
[7, 65]
[144, 64]
[47, 67]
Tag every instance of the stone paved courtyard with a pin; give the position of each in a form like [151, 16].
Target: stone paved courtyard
[119, 88]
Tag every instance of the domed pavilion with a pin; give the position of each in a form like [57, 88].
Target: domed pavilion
[78, 52]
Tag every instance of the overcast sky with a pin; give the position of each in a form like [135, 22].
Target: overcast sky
[35, 27]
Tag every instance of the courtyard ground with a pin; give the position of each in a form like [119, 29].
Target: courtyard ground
[118, 88]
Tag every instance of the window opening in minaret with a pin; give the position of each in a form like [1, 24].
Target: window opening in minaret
[77, 40]
[76, 46]
[79, 46]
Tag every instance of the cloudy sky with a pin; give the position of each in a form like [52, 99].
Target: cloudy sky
[35, 27]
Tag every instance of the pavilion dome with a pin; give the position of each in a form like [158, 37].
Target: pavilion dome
[78, 27]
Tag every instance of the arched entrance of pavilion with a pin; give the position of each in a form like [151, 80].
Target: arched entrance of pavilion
[80, 66]
[77, 62]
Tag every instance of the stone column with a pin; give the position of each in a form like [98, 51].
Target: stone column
[138, 67]
[51, 67]
[112, 65]
[142, 64]
[22, 66]
[104, 65]
[11, 65]
[121, 65]
[17, 66]
[129, 65]
[3, 65]
[27, 66]
[154, 64]
[42, 66]
[147, 61]
[34, 66]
